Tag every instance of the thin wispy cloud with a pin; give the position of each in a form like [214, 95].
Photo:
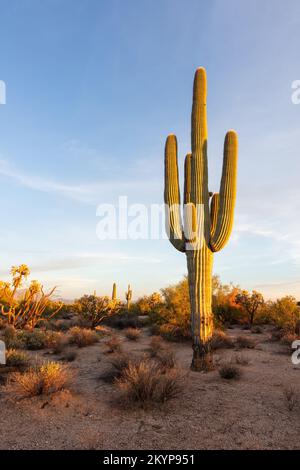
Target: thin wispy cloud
[86, 260]
[87, 193]
[45, 185]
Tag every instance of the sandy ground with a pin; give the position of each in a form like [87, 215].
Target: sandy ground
[212, 413]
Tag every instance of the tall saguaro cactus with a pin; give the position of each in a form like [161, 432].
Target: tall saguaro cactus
[128, 296]
[208, 218]
[114, 292]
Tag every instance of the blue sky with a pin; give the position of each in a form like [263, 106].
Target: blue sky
[93, 89]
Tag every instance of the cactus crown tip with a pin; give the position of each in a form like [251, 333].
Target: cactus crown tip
[200, 73]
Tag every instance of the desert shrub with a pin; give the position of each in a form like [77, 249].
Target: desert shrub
[33, 340]
[243, 342]
[94, 310]
[113, 345]
[285, 313]
[156, 345]
[172, 332]
[40, 380]
[145, 382]
[225, 309]
[118, 363]
[176, 309]
[16, 358]
[169, 314]
[56, 341]
[133, 334]
[221, 340]
[123, 320]
[229, 372]
[166, 359]
[30, 307]
[10, 337]
[147, 304]
[82, 337]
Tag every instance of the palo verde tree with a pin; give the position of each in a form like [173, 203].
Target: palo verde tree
[250, 302]
[208, 218]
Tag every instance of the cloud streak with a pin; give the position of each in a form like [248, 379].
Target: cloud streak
[86, 193]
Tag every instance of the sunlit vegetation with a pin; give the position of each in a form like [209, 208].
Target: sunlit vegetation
[25, 308]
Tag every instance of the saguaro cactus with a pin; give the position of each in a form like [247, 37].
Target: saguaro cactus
[128, 296]
[208, 218]
[114, 292]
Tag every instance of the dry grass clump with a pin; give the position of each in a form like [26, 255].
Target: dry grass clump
[82, 337]
[156, 345]
[229, 371]
[10, 337]
[40, 380]
[113, 345]
[25, 339]
[117, 364]
[221, 340]
[291, 397]
[145, 382]
[33, 340]
[133, 334]
[243, 342]
[176, 333]
[166, 359]
[56, 341]
[16, 358]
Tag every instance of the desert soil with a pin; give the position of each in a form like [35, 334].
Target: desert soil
[211, 413]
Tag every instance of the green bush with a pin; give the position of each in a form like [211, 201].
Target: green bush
[15, 358]
[93, 310]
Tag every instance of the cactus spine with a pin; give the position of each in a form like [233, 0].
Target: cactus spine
[208, 218]
[128, 296]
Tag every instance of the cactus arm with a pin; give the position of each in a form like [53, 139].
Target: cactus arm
[227, 196]
[214, 207]
[189, 210]
[187, 178]
[172, 196]
[199, 193]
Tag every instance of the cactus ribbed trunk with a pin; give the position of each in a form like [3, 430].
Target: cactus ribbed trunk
[207, 223]
[200, 264]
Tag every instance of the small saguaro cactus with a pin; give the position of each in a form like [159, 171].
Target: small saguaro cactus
[128, 296]
[208, 218]
[114, 292]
